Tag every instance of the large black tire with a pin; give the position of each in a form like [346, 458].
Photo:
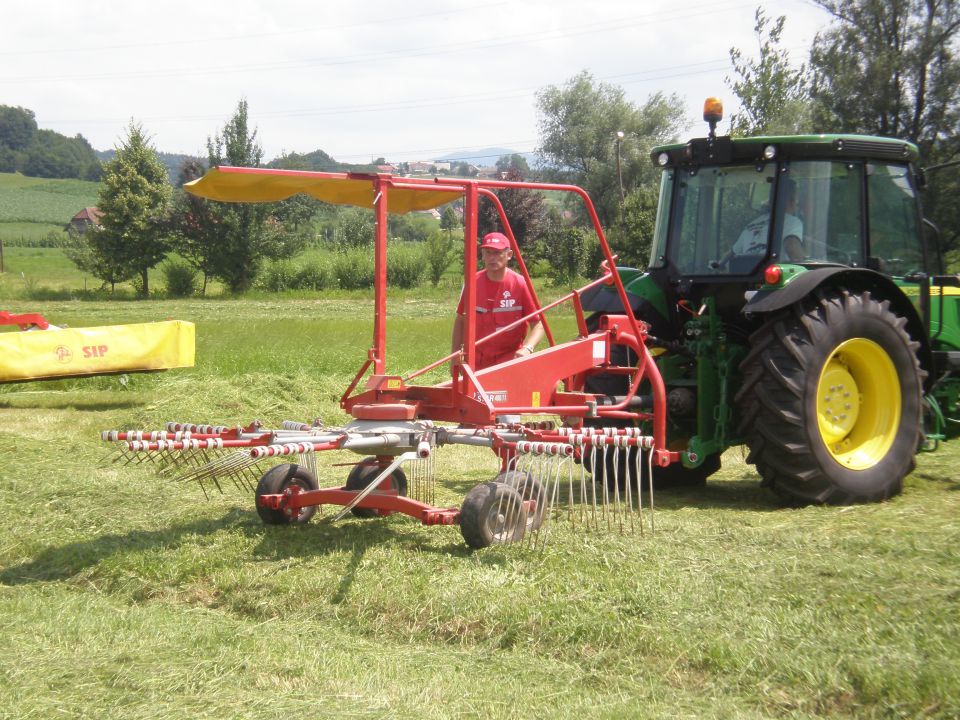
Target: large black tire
[530, 489]
[492, 514]
[275, 481]
[361, 475]
[831, 399]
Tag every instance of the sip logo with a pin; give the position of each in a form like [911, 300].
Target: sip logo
[507, 301]
[94, 351]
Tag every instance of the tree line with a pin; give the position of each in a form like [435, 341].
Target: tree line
[886, 68]
[43, 153]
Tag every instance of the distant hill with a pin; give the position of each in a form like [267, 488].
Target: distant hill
[317, 161]
[485, 157]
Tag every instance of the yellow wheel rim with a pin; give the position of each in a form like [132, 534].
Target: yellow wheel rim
[858, 403]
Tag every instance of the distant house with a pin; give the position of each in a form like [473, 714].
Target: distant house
[84, 220]
[387, 168]
[421, 167]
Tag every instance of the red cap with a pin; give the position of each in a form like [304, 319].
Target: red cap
[495, 241]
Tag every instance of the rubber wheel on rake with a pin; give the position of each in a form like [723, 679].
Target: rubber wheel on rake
[831, 400]
[275, 481]
[530, 489]
[492, 514]
[361, 475]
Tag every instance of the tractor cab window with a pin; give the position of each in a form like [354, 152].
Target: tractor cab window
[895, 246]
[829, 205]
[721, 217]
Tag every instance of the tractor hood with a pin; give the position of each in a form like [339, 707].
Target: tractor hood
[252, 185]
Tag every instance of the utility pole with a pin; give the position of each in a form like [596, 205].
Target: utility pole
[619, 170]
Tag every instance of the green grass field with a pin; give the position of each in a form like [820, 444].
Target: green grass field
[125, 595]
[30, 208]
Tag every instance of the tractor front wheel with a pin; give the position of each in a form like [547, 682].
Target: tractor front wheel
[275, 481]
[831, 400]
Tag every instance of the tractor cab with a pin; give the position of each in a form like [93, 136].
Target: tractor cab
[745, 211]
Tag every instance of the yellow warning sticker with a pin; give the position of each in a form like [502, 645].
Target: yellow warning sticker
[535, 400]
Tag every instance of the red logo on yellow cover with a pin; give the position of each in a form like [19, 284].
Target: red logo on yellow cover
[63, 353]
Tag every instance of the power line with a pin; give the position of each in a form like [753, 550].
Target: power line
[444, 49]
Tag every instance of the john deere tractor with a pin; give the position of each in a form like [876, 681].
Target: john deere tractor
[797, 302]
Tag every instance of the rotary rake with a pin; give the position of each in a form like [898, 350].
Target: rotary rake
[592, 464]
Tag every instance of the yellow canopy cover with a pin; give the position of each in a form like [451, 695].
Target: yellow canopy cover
[240, 184]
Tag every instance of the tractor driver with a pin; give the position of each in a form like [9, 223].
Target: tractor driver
[502, 298]
[753, 240]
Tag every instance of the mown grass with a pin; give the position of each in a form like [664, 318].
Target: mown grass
[124, 595]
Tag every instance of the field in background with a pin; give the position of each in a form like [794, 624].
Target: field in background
[126, 595]
[31, 208]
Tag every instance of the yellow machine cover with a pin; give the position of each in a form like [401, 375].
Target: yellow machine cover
[66, 352]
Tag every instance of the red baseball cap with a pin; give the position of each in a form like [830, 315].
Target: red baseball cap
[495, 241]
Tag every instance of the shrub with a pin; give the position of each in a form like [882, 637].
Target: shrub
[570, 252]
[440, 251]
[180, 279]
[406, 265]
[313, 276]
[278, 276]
[354, 269]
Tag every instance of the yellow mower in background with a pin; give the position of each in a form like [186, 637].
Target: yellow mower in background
[41, 351]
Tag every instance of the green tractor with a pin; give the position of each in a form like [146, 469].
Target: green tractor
[797, 304]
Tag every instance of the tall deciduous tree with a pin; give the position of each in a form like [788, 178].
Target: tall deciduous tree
[523, 207]
[578, 137]
[194, 224]
[774, 95]
[891, 68]
[247, 233]
[133, 200]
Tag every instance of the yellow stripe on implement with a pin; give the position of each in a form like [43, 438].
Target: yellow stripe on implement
[231, 184]
[68, 352]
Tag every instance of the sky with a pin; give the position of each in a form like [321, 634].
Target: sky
[360, 80]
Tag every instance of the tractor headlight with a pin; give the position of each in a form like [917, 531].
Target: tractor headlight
[769, 152]
[662, 159]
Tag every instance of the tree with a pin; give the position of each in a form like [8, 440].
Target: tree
[247, 233]
[774, 97]
[523, 207]
[630, 239]
[133, 199]
[193, 225]
[449, 219]
[578, 129]
[891, 69]
[18, 127]
[515, 161]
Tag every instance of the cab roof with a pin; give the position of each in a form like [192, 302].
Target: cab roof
[725, 149]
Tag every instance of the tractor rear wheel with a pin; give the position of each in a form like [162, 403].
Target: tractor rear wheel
[831, 400]
[361, 475]
[275, 481]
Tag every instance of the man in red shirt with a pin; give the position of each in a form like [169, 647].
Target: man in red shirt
[502, 298]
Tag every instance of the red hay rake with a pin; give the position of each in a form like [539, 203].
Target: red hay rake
[593, 464]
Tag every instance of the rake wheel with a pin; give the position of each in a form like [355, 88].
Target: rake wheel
[530, 489]
[361, 475]
[492, 514]
[275, 481]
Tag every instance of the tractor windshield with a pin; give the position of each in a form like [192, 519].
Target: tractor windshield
[729, 220]
[721, 219]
